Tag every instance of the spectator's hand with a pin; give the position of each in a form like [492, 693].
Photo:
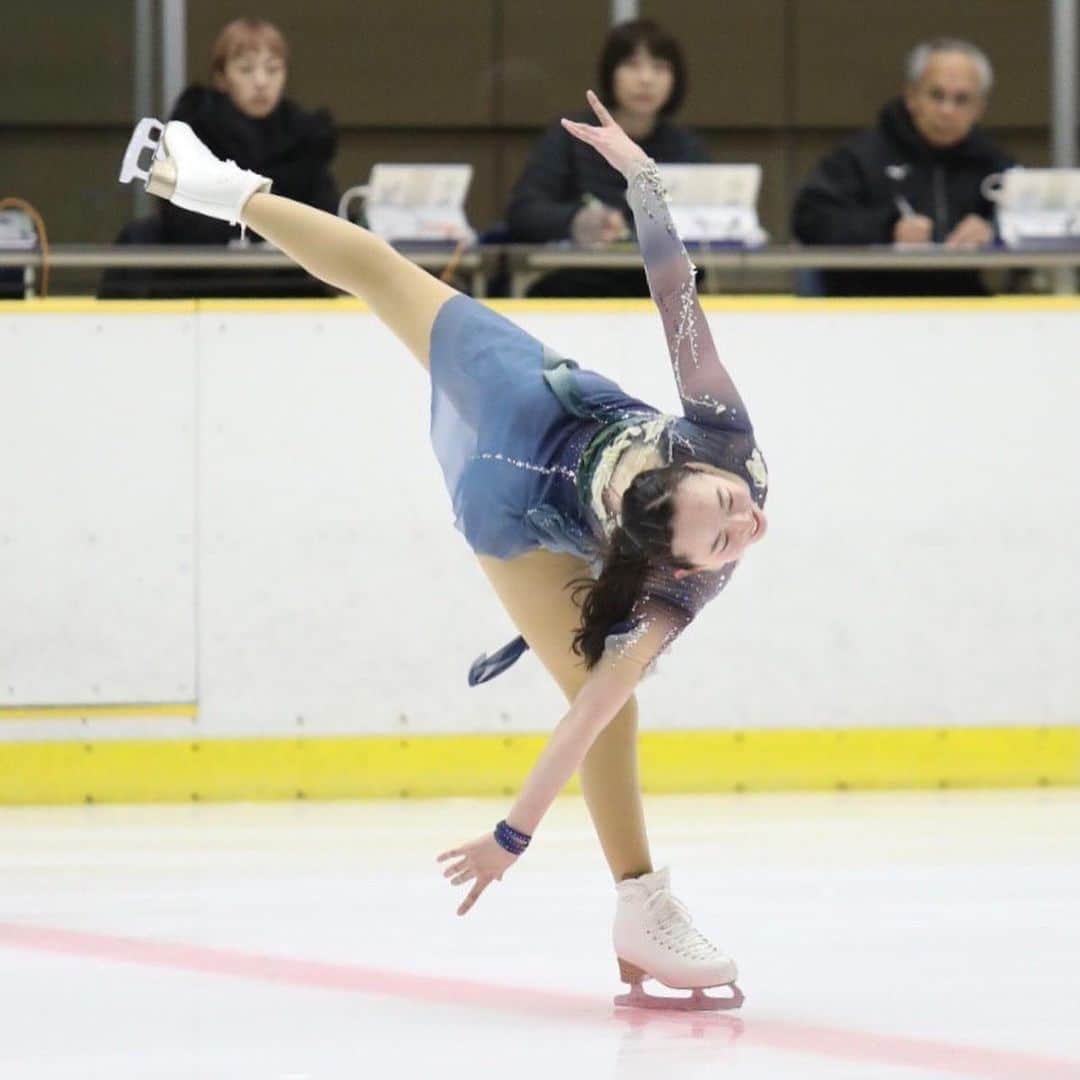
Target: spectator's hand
[596, 224]
[608, 140]
[913, 229]
[972, 232]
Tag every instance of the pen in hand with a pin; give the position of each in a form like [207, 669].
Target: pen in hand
[905, 208]
[912, 227]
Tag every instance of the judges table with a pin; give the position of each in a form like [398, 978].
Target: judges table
[529, 263]
[472, 263]
[524, 264]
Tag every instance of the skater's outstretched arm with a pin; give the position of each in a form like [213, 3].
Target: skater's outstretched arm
[606, 690]
[705, 387]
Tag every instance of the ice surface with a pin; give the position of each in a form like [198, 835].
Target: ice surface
[905, 935]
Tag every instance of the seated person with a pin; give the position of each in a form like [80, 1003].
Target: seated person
[567, 192]
[915, 178]
[243, 115]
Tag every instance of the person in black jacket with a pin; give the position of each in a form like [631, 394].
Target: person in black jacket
[244, 115]
[567, 193]
[915, 178]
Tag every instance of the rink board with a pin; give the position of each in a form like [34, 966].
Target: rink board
[258, 571]
[97, 509]
[476, 765]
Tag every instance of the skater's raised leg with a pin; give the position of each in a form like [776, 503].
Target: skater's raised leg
[175, 165]
[403, 296]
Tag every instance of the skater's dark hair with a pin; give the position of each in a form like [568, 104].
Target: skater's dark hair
[623, 40]
[639, 543]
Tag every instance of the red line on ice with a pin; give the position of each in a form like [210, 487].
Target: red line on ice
[774, 1034]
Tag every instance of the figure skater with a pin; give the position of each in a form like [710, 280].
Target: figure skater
[603, 525]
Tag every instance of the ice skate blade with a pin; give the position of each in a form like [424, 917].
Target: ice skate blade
[698, 1001]
[141, 150]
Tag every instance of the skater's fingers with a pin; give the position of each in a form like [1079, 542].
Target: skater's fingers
[474, 895]
[456, 868]
[584, 132]
[448, 854]
[598, 107]
[465, 875]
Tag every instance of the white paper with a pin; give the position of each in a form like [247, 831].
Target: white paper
[419, 202]
[715, 203]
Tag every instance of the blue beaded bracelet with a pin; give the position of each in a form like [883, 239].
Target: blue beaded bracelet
[510, 839]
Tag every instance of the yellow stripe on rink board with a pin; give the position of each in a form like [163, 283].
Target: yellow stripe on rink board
[740, 304]
[746, 304]
[88, 305]
[98, 712]
[437, 765]
[791, 760]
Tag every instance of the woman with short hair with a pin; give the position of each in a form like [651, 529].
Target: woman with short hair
[567, 193]
[243, 115]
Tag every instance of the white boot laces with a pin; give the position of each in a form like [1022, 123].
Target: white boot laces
[675, 930]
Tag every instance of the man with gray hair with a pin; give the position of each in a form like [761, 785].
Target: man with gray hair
[916, 178]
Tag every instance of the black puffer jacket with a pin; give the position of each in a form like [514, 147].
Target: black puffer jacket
[562, 171]
[855, 193]
[291, 146]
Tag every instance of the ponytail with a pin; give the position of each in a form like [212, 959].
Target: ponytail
[640, 542]
[609, 599]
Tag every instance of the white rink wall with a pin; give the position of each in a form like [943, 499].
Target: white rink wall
[242, 509]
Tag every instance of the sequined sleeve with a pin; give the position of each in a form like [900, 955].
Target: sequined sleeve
[708, 395]
[666, 607]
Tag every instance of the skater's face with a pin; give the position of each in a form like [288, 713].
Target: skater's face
[715, 520]
[254, 81]
[642, 83]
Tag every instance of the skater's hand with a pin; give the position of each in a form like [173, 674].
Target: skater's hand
[482, 861]
[609, 140]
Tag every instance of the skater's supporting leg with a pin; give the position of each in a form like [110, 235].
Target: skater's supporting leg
[403, 296]
[609, 781]
[532, 589]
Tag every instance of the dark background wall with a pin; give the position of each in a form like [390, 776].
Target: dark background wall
[774, 81]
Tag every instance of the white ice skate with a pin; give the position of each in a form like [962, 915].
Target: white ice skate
[655, 938]
[174, 164]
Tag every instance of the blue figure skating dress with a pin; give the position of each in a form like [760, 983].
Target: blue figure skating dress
[527, 440]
